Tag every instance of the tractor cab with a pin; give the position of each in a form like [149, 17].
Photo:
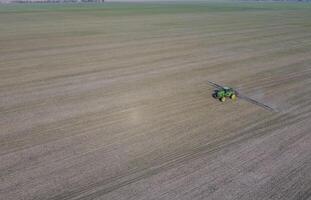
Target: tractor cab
[227, 89]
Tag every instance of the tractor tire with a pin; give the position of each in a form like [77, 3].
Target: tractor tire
[222, 99]
[233, 97]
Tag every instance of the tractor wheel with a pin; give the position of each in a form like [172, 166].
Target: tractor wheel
[233, 97]
[222, 99]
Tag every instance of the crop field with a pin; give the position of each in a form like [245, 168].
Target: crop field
[111, 101]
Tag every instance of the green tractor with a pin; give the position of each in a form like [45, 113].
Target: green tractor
[224, 92]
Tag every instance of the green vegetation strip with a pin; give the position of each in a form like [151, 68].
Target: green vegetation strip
[153, 8]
